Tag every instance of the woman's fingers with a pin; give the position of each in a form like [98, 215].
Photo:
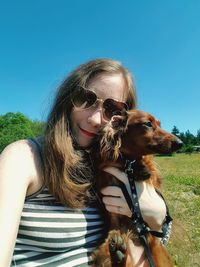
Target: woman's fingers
[114, 200]
[117, 173]
[112, 191]
[120, 175]
[115, 209]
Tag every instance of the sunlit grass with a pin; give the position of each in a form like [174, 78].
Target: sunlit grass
[181, 187]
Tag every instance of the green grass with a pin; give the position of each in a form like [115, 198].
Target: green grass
[181, 188]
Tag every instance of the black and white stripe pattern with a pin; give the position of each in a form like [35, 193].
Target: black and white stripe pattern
[51, 234]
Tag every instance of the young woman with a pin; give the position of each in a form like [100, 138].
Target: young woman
[48, 216]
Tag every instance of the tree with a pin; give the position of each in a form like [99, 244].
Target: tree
[198, 137]
[15, 126]
[182, 137]
[188, 149]
[190, 138]
[175, 131]
[37, 127]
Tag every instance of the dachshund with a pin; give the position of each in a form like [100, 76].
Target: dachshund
[137, 136]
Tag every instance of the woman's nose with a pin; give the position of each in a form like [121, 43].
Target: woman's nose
[96, 118]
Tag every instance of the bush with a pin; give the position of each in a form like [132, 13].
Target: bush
[15, 126]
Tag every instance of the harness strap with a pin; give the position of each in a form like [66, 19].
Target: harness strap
[129, 169]
[126, 195]
[147, 250]
[139, 224]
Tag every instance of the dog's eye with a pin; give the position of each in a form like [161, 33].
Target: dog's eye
[148, 124]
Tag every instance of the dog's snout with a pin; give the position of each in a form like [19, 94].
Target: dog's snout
[176, 144]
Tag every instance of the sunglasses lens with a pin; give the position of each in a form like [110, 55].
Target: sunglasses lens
[113, 107]
[83, 98]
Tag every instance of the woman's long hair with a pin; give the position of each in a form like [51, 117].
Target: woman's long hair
[66, 172]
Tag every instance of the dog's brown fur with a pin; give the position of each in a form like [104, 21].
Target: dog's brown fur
[137, 136]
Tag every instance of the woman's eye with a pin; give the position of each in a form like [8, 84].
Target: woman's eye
[148, 124]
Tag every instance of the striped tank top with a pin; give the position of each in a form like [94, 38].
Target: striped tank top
[51, 234]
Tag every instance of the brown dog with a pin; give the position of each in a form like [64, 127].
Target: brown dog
[135, 136]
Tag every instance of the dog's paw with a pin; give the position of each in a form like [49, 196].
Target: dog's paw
[117, 248]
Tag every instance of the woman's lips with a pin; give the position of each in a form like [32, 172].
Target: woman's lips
[87, 133]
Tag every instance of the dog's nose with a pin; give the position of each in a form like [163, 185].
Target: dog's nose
[176, 144]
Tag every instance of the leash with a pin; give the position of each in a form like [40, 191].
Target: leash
[139, 224]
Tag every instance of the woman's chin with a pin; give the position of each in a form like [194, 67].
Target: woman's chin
[84, 143]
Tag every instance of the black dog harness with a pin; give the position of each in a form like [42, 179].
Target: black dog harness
[139, 224]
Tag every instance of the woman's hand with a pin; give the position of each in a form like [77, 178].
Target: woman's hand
[113, 198]
[152, 206]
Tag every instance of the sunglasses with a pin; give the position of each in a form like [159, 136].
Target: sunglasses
[84, 99]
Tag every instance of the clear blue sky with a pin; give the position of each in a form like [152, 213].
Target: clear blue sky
[158, 40]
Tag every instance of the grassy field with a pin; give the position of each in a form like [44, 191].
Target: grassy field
[181, 188]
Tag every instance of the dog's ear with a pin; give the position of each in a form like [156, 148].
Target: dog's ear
[158, 123]
[108, 143]
[119, 122]
[111, 136]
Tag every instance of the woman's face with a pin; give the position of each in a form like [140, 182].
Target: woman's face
[87, 122]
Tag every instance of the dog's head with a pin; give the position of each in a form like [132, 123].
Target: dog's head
[136, 134]
[144, 136]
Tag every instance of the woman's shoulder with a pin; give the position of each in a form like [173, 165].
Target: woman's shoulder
[22, 160]
[20, 151]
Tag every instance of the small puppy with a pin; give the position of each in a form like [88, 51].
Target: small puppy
[135, 136]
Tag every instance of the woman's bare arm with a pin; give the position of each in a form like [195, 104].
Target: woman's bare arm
[16, 176]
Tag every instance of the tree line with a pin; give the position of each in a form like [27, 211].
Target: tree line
[15, 126]
[191, 142]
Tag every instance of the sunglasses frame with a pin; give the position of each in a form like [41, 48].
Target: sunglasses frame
[97, 101]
